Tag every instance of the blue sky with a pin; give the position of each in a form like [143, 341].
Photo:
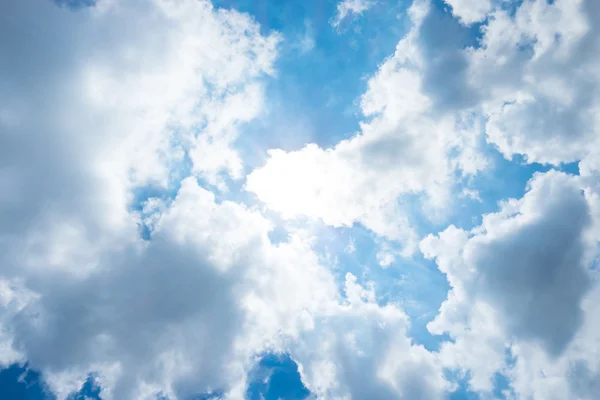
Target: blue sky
[302, 199]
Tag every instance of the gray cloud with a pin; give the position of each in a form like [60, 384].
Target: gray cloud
[535, 274]
[168, 298]
[520, 279]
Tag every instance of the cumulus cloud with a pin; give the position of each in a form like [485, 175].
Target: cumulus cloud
[427, 104]
[406, 146]
[470, 11]
[119, 105]
[520, 278]
[361, 350]
[531, 74]
[101, 106]
[536, 70]
[523, 283]
[99, 103]
[128, 97]
[182, 314]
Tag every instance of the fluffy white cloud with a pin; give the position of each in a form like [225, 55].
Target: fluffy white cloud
[108, 101]
[361, 350]
[520, 281]
[470, 11]
[532, 75]
[96, 104]
[101, 104]
[407, 146]
[525, 281]
[181, 314]
[537, 72]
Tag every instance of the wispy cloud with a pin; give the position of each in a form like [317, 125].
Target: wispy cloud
[346, 8]
[307, 42]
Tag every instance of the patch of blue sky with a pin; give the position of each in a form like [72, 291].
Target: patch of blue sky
[505, 179]
[462, 392]
[321, 73]
[89, 391]
[500, 389]
[511, 7]
[420, 289]
[449, 29]
[276, 377]
[142, 194]
[415, 284]
[19, 382]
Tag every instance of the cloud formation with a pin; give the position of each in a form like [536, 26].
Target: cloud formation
[405, 147]
[97, 105]
[522, 281]
[519, 281]
[121, 255]
[132, 93]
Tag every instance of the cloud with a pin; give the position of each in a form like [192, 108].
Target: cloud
[508, 83]
[406, 146]
[182, 314]
[125, 113]
[361, 350]
[347, 8]
[99, 103]
[521, 277]
[470, 11]
[119, 106]
[513, 73]
[524, 282]
[522, 65]
[103, 103]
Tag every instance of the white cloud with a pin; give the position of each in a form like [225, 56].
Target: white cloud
[347, 8]
[519, 281]
[104, 102]
[361, 350]
[470, 11]
[538, 73]
[524, 281]
[470, 194]
[101, 103]
[95, 104]
[84, 124]
[405, 147]
[182, 314]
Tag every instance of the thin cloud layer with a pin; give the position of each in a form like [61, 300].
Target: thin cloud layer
[348, 8]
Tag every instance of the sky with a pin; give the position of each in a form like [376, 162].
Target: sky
[317, 199]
